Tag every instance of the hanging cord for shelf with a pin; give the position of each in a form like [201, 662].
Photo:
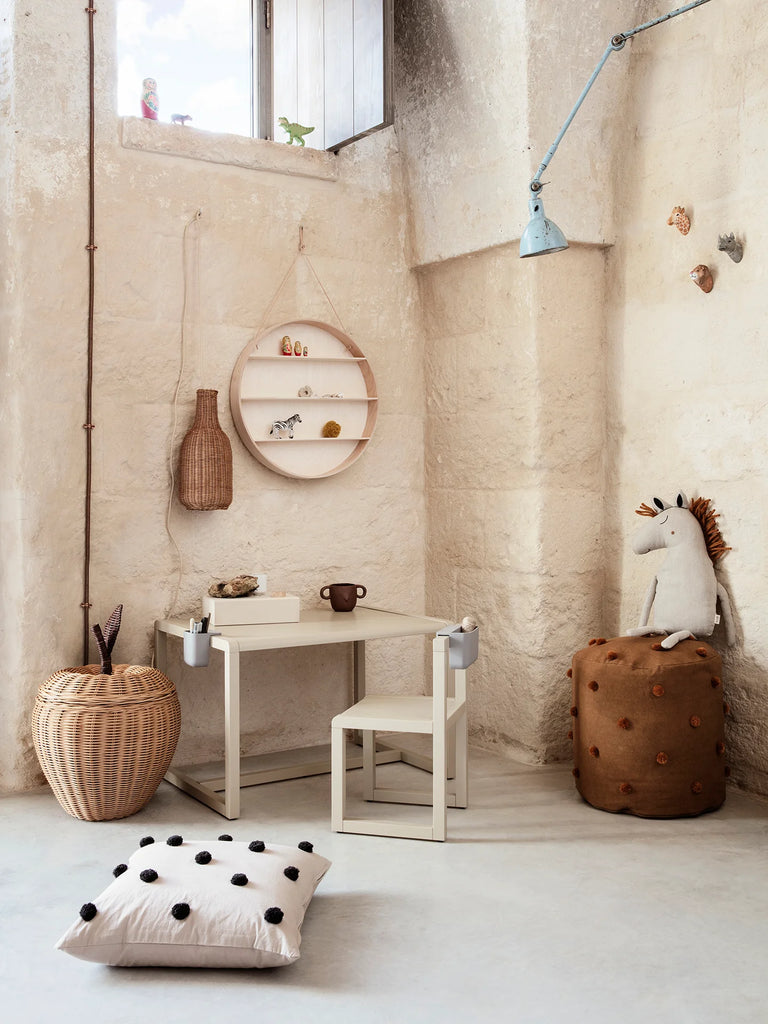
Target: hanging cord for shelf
[184, 307]
[88, 425]
[301, 254]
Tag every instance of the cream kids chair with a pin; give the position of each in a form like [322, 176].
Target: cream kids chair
[442, 716]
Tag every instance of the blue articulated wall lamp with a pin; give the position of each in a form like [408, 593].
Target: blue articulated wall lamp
[542, 235]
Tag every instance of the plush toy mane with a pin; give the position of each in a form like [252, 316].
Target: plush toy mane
[706, 517]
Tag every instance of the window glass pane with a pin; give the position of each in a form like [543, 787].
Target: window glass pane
[198, 52]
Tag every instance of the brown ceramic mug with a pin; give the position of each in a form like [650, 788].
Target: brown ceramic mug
[343, 596]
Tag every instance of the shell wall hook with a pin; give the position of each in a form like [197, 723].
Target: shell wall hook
[702, 276]
[729, 245]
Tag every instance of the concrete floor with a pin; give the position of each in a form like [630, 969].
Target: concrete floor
[538, 910]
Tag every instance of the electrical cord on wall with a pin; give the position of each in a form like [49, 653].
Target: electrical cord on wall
[184, 305]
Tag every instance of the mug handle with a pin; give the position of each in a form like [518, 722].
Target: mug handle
[359, 588]
[323, 595]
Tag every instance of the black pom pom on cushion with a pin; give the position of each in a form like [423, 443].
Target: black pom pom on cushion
[273, 915]
[119, 869]
[146, 841]
[306, 847]
[239, 878]
[256, 846]
[292, 873]
[174, 840]
[225, 838]
[148, 875]
[180, 911]
[203, 857]
[88, 911]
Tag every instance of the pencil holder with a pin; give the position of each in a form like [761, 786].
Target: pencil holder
[197, 648]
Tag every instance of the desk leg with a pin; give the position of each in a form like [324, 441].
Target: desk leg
[232, 730]
[161, 650]
[358, 678]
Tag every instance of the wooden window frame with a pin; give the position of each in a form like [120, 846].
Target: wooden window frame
[262, 73]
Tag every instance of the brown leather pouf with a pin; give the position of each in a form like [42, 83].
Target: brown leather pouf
[648, 727]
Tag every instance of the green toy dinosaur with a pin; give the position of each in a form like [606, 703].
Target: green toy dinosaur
[295, 131]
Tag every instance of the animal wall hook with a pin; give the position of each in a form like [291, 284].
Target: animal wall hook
[680, 219]
[729, 245]
[702, 276]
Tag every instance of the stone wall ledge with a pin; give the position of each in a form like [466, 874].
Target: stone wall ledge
[236, 150]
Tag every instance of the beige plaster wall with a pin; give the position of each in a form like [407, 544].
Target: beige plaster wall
[693, 366]
[367, 524]
[482, 90]
[515, 447]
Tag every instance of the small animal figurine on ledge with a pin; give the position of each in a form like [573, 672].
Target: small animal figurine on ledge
[284, 426]
[296, 132]
[150, 104]
[702, 276]
[680, 219]
[180, 119]
[729, 245]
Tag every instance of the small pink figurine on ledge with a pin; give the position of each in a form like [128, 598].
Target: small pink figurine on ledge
[150, 104]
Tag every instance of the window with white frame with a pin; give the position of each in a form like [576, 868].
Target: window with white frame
[240, 66]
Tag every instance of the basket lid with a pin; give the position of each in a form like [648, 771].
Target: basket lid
[87, 684]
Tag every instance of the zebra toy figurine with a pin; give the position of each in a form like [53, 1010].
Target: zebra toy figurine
[284, 425]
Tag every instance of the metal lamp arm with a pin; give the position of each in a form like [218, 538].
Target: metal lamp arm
[617, 43]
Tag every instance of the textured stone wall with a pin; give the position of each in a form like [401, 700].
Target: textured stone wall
[556, 394]
[366, 524]
[514, 469]
[693, 366]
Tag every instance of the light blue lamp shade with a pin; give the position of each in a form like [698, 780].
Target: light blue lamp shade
[542, 235]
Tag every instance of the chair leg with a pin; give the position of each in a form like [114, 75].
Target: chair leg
[369, 764]
[462, 761]
[338, 779]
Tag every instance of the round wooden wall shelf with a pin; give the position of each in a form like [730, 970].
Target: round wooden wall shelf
[333, 382]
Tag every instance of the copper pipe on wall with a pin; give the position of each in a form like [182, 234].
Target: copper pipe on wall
[88, 425]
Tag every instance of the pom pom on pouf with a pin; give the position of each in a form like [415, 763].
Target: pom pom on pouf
[273, 915]
[203, 857]
[306, 847]
[119, 869]
[146, 841]
[239, 878]
[148, 875]
[174, 840]
[225, 838]
[257, 846]
[180, 911]
[291, 872]
[88, 911]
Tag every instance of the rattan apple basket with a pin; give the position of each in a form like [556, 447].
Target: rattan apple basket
[105, 737]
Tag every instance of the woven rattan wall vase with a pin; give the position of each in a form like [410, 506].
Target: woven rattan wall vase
[105, 741]
[205, 472]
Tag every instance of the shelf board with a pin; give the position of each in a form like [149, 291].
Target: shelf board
[307, 359]
[310, 398]
[307, 440]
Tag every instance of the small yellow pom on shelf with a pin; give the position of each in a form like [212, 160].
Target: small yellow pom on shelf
[331, 429]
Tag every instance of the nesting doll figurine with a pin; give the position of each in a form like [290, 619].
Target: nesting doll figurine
[150, 104]
[287, 348]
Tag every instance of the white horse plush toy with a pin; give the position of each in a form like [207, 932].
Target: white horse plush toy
[684, 594]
